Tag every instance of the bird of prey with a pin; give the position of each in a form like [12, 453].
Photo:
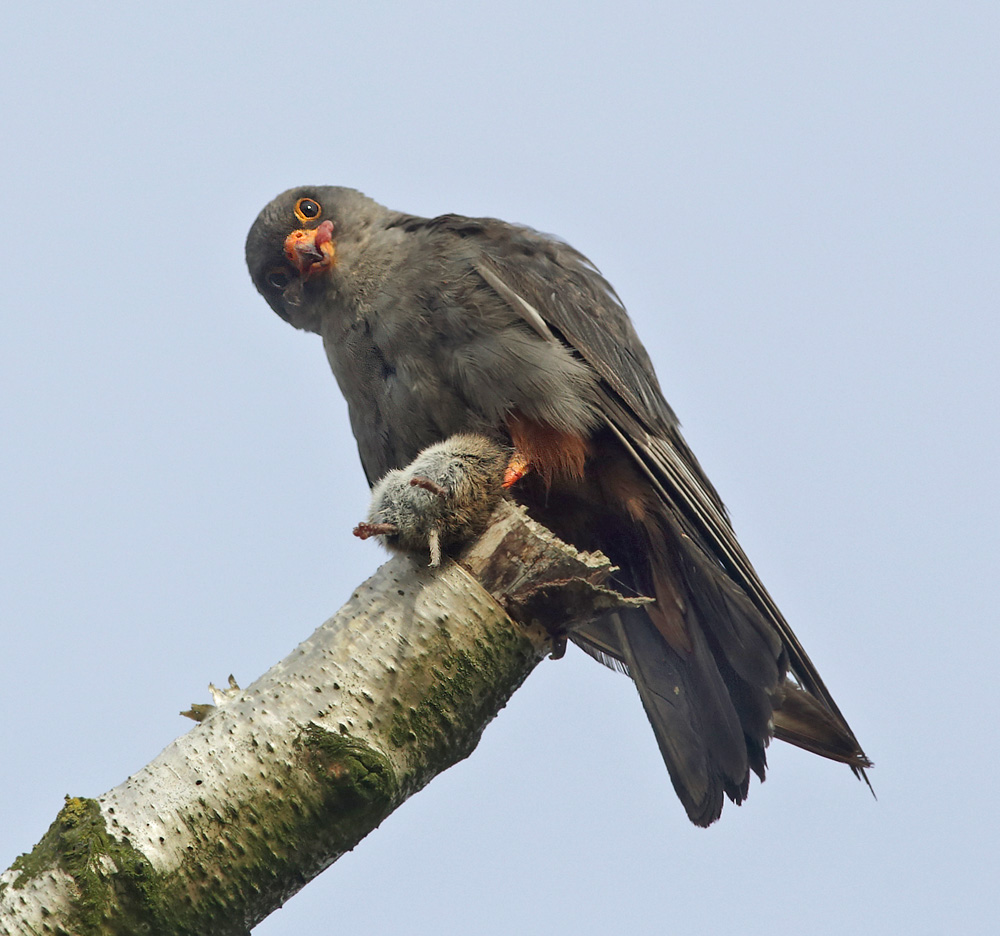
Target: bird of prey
[438, 326]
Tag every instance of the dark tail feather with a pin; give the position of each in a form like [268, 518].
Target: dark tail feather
[801, 720]
[688, 706]
[711, 669]
[745, 649]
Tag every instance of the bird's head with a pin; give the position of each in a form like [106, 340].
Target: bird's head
[294, 248]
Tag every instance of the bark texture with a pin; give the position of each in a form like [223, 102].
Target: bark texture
[275, 784]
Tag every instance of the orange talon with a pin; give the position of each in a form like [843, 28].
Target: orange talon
[517, 468]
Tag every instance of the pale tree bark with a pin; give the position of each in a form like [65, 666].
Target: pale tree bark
[275, 784]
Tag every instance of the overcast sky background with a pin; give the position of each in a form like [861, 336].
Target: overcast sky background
[799, 207]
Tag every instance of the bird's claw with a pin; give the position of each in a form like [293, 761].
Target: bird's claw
[517, 468]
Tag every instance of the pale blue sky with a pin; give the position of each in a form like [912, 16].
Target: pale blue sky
[799, 207]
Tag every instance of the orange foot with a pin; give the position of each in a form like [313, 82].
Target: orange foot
[517, 468]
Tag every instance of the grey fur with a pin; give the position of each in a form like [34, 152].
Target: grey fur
[469, 471]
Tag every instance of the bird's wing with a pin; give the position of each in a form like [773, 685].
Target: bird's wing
[564, 297]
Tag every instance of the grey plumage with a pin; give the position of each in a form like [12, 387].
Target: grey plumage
[470, 325]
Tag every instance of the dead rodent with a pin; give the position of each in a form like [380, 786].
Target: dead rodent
[444, 496]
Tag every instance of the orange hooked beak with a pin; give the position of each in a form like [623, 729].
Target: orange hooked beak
[311, 250]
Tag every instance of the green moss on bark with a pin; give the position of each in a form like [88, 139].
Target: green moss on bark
[357, 782]
[315, 807]
[466, 689]
[116, 887]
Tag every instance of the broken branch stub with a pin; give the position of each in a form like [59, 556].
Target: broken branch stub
[537, 577]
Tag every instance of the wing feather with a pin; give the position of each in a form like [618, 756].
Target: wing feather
[586, 314]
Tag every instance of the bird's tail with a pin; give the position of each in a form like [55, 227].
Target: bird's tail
[801, 720]
[714, 679]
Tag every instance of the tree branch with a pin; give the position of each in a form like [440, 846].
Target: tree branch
[274, 785]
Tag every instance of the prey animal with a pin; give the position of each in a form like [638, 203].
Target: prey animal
[444, 496]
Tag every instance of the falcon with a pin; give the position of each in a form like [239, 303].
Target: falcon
[447, 325]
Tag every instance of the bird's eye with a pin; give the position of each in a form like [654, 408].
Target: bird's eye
[278, 279]
[306, 209]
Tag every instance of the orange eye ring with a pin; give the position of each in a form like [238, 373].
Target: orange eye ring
[308, 209]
